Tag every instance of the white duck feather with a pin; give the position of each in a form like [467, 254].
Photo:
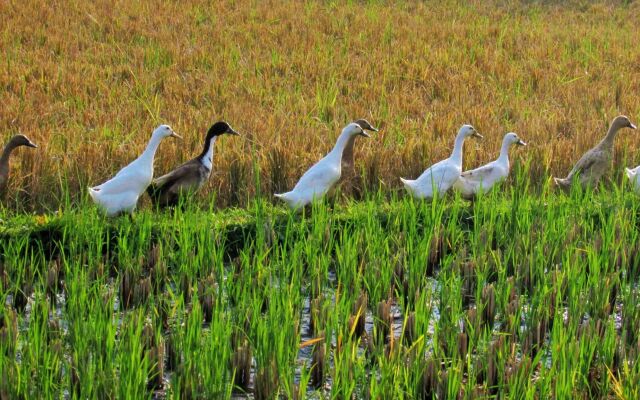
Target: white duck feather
[482, 179]
[322, 176]
[634, 177]
[440, 177]
[120, 194]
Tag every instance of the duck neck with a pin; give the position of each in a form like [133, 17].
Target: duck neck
[338, 149]
[504, 152]
[456, 155]
[347, 153]
[206, 156]
[150, 151]
[6, 153]
[611, 135]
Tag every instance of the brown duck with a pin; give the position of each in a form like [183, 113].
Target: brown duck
[189, 177]
[16, 141]
[352, 183]
[597, 161]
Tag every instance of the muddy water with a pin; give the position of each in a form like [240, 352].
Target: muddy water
[304, 358]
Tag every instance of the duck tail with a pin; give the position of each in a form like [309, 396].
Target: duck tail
[408, 184]
[285, 197]
[93, 193]
[630, 173]
[282, 196]
[560, 182]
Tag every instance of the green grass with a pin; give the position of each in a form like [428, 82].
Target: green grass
[515, 295]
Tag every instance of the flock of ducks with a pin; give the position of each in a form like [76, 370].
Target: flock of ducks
[121, 193]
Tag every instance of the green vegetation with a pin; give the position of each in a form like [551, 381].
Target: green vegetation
[525, 294]
[528, 297]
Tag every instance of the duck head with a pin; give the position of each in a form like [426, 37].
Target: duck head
[512, 138]
[22, 140]
[220, 128]
[365, 125]
[354, 129]
[164, 131]
[622, 121]
[468, 130]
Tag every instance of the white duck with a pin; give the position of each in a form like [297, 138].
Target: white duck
[322, 176]
[120, 193]
[634, 177]
[470, 183]
[442, 175]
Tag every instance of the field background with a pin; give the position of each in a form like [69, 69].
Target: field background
[526, 293]
[88, 81]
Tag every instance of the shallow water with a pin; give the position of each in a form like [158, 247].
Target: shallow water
[304, 358]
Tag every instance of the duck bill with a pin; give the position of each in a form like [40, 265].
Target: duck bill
[476, 134]
[521, 143]
[175, 135]
[632, 126]
[31, 144]
[372, 128]
[365, 134]
[232, 132]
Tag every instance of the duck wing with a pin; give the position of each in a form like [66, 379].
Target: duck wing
[442, 174]
[470, 182]
[590, 160]
[318, 178]
[167, 188]
[122, 183]
[485, 174]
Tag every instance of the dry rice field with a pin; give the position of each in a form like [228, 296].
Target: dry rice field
[88, 81]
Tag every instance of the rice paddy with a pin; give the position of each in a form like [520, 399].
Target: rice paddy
[525, 293]
[512, 296]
